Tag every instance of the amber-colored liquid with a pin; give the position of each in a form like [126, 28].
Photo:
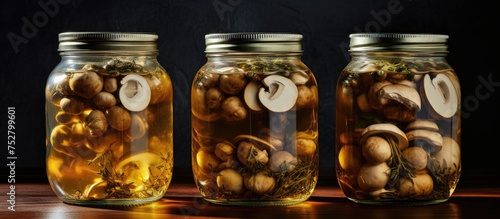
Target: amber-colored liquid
[210, 127]
[401, 181]
[131, 164]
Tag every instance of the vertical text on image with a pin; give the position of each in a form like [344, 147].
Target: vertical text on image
[11, 157]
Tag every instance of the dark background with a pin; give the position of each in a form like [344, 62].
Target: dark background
[182, 25]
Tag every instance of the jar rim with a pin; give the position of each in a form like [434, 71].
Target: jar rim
[253, 42]
[408, 42]
[108, 41]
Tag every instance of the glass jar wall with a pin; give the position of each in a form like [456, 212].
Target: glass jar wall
[254, 111]
[109, 120]
[398, 121]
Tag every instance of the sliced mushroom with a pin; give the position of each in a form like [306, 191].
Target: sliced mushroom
[135, 92]
[403, 94]
[280, 93]
[385, 128]
[429, 140]
[251, 96]
[440, 96]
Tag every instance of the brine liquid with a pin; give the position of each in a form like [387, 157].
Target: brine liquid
[221, 130]
[95, 162]
[411, 104]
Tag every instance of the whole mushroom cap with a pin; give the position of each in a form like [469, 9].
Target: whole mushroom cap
[86, 84]
[231, 181]
[385, 128]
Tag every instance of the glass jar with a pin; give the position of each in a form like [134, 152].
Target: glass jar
[254, 117]
[109, 120]
[398, 120]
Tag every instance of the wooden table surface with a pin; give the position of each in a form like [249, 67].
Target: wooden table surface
[182, 200]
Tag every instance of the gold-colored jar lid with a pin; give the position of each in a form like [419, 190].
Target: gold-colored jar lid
[108, 41]
[403, 42]
[253, 43]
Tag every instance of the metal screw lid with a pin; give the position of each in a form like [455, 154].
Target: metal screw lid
[108, 41]
[404, 42]
[253, 43]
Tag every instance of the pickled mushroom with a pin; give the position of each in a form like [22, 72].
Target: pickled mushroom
[135, 92]
[279, 95]
[376, 149]
[233, 81]
[422, 124]
[233, 109]
[373, 177]
[138, 168]
[385, 128]
[72, 105]
[449, 155]
[402, 94]
[86, 84]
[430, 140]
[282, 161]
[260, 183]
[440, 96]
[230, 181]
[305, 97]
[248, 154]
[251, 96]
